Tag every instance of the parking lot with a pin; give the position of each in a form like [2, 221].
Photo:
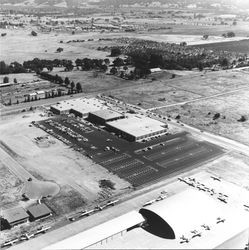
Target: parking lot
[138, 163]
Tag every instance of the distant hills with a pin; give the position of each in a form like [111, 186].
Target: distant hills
[84, 3]
[48, 3]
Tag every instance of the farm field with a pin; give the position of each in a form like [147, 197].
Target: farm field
[233, 46]
[231, 108]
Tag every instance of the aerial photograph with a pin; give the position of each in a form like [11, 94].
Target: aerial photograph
[124, 124]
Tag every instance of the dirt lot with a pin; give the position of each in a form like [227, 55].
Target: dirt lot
[56, 163]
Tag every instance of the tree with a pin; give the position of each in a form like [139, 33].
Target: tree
[72, 85]
[33, 33]
[205, 37]
[230, 34]
[118, 62]
[242, 119]
[107, 61]
[6, 79]
[78, 87]
[115, 51]
[113, 71]
[216, 116]
[59, 50]
[67, 82]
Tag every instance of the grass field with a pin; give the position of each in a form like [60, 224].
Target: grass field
[92, 81]
[231, 107]
[183, 89]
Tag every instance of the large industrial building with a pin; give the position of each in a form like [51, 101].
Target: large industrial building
[137, 127]
[103, 116]
[80, 106]
[188, 220]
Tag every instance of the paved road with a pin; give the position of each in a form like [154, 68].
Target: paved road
[14, 166]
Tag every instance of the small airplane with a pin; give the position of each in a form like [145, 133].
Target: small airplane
[219, 220]
[223, 199]
[215, 178]
[206, 227]
[184, 239]
[196, 233]
[181, 179]
[201, 188]
[161, 197]
[149, 203]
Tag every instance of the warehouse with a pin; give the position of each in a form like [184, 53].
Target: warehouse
[137, 127]
[80, 106]
[15, 216]
[39, 211]
[103, 116]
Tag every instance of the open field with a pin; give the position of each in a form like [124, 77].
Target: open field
[237, 46]
[231, 107]
[19, 45]
[92, 81]
[183, 89]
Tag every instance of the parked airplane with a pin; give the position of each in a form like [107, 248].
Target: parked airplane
[184, 239]
[215, 178]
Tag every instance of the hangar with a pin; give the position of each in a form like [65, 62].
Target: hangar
[15, 216]
[137, 127]
[103, 116]
[80, 106]
[101, 233]
[39, 211]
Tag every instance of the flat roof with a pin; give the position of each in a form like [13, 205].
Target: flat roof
[99, 233]
[15, 214]
[39, 210]
[107, 114]
[138, 125]
[81, 105]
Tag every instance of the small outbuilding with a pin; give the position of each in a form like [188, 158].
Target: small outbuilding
[39, 211]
